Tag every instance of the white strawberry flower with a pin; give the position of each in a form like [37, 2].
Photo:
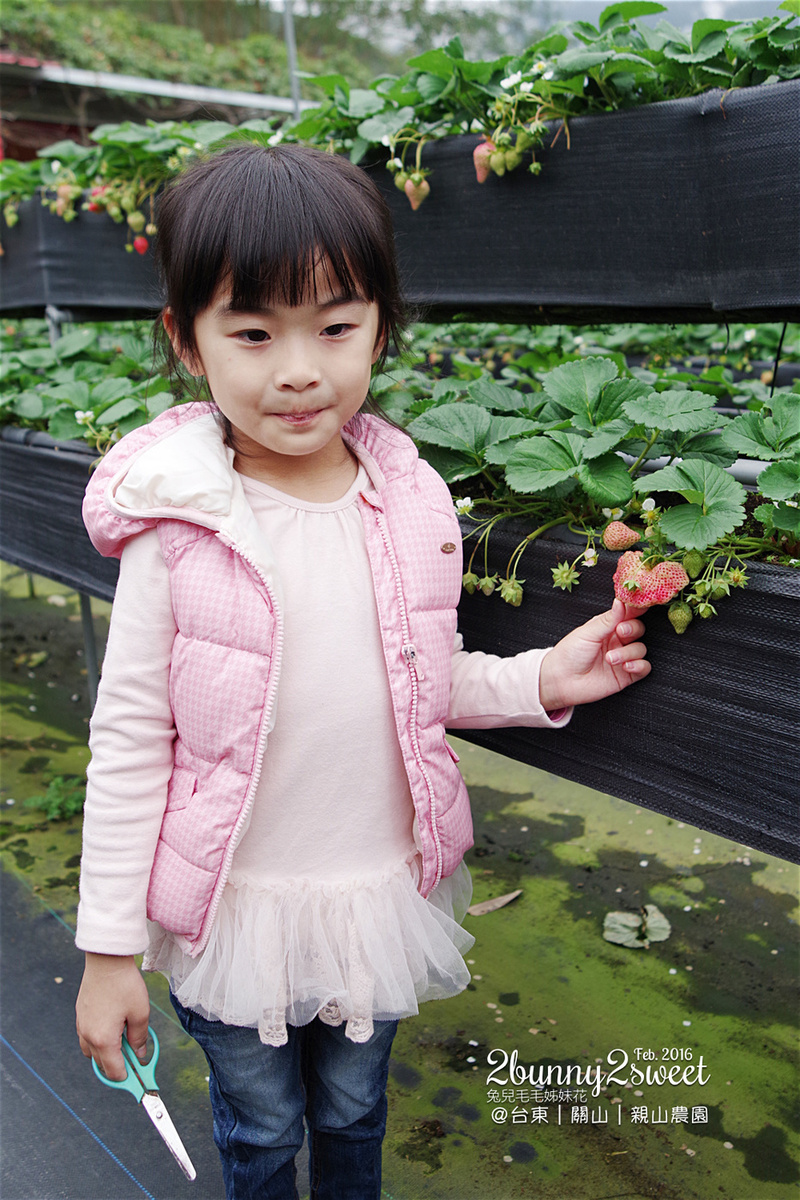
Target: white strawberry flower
[540, 65]
[397, 163]
[590, 557]
[613, 514]
[83, 416]
[749, 335]
[463, 505]
[511, 81]
[548, 75]
[526, 87]
[648, 505]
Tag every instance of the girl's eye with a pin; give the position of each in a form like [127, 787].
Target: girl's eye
[254, 336]
[337, 330]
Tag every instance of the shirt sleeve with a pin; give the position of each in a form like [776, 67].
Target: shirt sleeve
[131, 743]
[489, 692]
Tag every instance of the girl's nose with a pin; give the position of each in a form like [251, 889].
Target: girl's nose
[296, 370]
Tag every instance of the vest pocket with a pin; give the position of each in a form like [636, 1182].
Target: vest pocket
[451, 751]
[182, 787]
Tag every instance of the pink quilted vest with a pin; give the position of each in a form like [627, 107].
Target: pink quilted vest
[175, 473]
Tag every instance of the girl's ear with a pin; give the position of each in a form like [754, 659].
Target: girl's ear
[192, 366]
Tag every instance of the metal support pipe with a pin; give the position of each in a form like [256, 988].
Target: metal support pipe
[291, 54]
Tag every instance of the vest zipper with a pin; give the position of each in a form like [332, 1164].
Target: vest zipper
[208, 924]
[409, 653]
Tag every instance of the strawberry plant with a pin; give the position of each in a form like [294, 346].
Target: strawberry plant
[619, 460]
[576, 69]
[96, 383]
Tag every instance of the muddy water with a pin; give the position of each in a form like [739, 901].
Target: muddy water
[472, 1114]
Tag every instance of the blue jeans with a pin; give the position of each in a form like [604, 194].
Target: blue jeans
[260, 1095]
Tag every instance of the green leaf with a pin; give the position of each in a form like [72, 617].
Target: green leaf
[109, 390]
[452, 466]
[76, 342]
[63, 427]
[539, 462]
[119, 410]
[434, 62]
[364, 103]
[606, 480]
[37, 359]
[715, 508]
[792, 6]
[577, 386]
[75, 394]
[578, 60]
[447, 389]
[629, 9]
[680, 411]
[509, 427]
[783, 517]
[29, 406]
[386, 124]
[710, 447]
[463, 427]
[606, 438]
[487, 392]
[703, 28]
[780, 481]
[761, 435]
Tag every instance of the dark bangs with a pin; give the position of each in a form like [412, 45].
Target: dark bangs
[275, 224]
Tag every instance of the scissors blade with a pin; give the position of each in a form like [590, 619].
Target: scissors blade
[156, 1110]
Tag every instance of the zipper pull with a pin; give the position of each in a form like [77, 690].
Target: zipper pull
[410, 655]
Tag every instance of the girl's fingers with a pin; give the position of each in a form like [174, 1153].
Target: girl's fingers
[631, 657]
[629, 629]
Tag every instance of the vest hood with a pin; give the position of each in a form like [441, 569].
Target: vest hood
[178, 467]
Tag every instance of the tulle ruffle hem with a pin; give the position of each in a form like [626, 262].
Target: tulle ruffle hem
[366, 950]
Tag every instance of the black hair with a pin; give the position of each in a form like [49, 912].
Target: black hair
[265, 220]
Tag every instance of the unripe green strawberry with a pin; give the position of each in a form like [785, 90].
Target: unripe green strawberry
[497, 162]
[720, 589]
[693, 563]
[470, 582]
[513, 158]
[511, 591]
[400, 180]
[136, 220]
[487, 584]
[680, 615]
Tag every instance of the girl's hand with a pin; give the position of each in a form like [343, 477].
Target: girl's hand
[113, 995]
[595, 660]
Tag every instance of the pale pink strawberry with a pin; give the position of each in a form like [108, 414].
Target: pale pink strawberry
[637, 585]
[619, 536]
[480, 157]
[416, 192]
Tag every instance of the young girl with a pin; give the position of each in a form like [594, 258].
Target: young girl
[273, 814]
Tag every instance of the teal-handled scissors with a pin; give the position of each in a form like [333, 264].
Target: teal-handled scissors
[140, 1081]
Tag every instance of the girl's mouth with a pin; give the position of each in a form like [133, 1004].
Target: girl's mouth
[303, 418]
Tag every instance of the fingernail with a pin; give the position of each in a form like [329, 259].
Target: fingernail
[612, 657]
[623, 630]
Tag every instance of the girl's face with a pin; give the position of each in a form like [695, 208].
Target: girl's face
[288, 377]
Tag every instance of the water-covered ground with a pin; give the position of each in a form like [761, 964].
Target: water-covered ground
[494, 1094]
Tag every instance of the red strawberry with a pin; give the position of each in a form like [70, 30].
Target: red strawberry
[416, 192]
[480, 157]
[637, 585]
[619, 536]
[140, 245]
